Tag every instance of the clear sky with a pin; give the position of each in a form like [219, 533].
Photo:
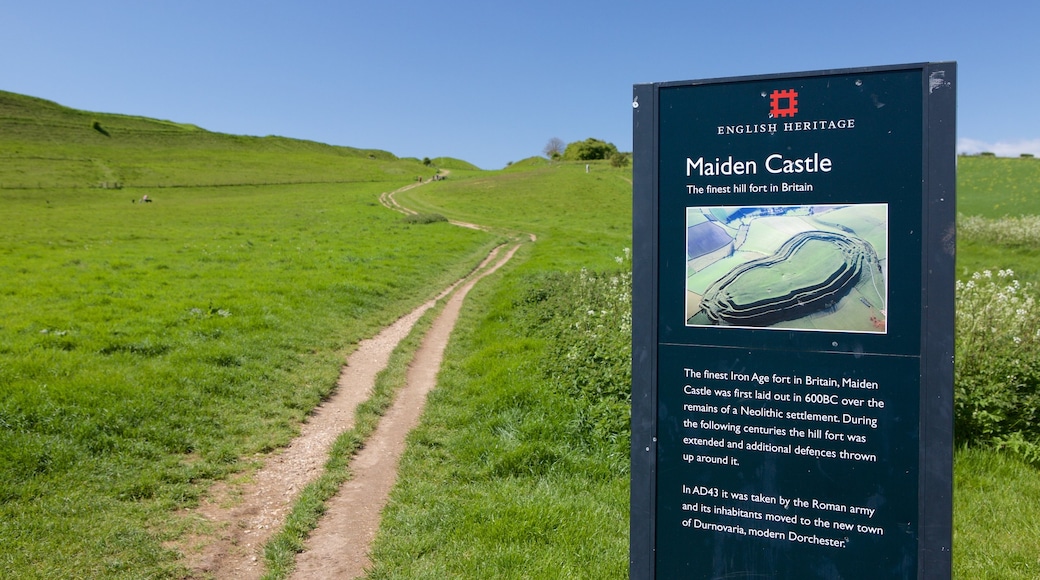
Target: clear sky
[491, 82]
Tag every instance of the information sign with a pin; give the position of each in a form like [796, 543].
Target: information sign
[793, 325]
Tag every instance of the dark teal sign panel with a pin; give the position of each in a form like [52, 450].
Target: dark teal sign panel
[773, 461]
[792, 343]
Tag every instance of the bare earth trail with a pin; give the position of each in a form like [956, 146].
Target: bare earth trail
[246, 514]
[338, 548]
[388, 200]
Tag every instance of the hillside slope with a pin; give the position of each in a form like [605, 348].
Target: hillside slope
[46, 145]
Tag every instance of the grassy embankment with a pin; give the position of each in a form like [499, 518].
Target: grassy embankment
[149, 348]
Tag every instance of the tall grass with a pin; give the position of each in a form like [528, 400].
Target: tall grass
[1008, 231]
[586, 319]
[995, 516]
[997, 370]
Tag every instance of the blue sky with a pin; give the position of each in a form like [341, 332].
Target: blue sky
[492, 82]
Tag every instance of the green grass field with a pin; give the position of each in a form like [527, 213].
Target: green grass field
[788, 274]
[147, 350]
[995, 187]
[149, 347]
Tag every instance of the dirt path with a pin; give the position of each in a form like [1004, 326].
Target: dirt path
[388, 200]
[338, 548]
[246, 512]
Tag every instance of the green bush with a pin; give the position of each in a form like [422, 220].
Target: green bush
[424, 218]
[588, 150]
[586, 318]
[97, 127]
[619, 160]
[997, 371]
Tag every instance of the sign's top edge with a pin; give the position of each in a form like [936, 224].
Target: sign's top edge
[814, 73]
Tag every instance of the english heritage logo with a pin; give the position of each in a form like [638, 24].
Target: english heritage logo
[783, 103]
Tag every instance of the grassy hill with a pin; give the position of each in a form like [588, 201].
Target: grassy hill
[148, 350]
[45, 145]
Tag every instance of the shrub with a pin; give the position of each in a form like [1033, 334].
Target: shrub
[1006, 231]
[97, 127]
[997, 370]
[619, 160]
[586, 318]
[424, 218]
[588, 150]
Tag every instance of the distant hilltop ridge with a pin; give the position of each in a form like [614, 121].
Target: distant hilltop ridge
[44, 144]
[27, 117]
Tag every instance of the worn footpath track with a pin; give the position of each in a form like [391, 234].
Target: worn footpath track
[245, 514]
[338, 548]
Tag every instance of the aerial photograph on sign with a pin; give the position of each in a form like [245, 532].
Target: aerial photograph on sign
[795, 267]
